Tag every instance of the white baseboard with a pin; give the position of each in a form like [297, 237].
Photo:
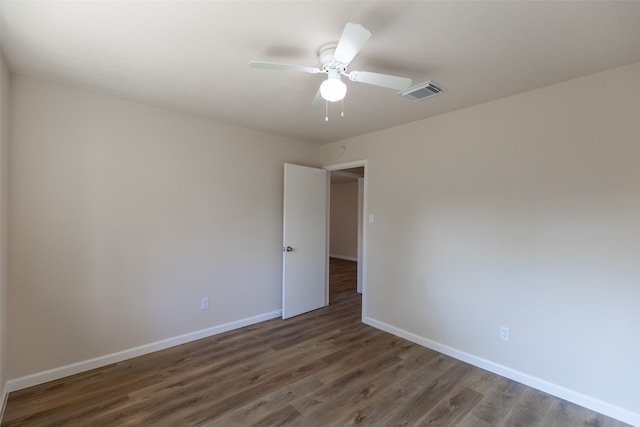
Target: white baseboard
[86, 365]
[5, 396]
[344, 257]
[572, 396]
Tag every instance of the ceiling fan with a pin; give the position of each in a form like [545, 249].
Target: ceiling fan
[335, 59]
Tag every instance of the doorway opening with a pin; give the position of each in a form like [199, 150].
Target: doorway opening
[346, 232]
[342, 281]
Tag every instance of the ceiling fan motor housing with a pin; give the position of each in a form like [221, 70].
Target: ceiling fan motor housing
[326, 52]
[328, 61]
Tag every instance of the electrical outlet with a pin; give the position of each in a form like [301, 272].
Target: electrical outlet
[204, 304]
[504, 333]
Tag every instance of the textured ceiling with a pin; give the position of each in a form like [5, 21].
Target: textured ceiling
[193, 56]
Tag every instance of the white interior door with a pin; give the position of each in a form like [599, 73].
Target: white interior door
[304, 265]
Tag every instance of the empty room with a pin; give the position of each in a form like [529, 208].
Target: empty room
[319, 213]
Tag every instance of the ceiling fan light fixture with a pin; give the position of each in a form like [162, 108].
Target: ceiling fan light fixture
[333, 89]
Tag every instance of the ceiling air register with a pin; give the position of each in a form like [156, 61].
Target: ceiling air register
[423, 91]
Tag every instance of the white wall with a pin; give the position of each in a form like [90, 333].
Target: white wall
[123, 216]
[4, 190]
[344, 221]
[523, 212]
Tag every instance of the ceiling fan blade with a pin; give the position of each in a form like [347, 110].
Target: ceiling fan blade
[318, 100]
[383, 80]
[275, 66]
[354, 36]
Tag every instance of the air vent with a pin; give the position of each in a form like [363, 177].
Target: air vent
[423, 91]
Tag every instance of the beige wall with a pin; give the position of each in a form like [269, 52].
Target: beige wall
[123, 216]
[344, 220]
[4, 191]
[525, 213]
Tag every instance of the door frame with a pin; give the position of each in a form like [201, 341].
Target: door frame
[361, 249]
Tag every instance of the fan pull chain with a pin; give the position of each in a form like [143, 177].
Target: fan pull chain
[342, 112]
[326, 111]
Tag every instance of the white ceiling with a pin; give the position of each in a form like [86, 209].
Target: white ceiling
[193, 56]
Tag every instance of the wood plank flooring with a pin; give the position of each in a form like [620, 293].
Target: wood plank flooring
[323, 368]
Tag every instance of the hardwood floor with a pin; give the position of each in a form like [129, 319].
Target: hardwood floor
[323, 368]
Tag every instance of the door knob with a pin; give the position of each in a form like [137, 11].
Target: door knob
[289, 249]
